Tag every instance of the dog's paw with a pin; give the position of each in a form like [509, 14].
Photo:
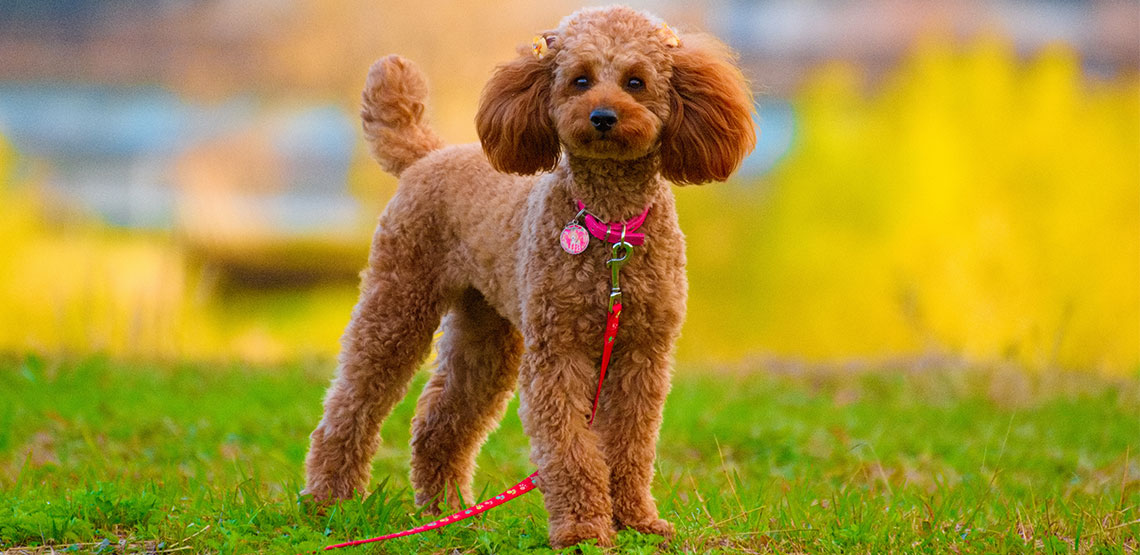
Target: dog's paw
[573, 534]
[313, 505]
[324, 491]
[437, 502]
[318, 500]
[657, 526]
[317, 496]
[432, 510]
[435, 507]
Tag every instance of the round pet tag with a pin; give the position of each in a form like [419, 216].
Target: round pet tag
[574, 238]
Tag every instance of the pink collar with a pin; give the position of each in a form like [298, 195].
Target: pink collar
[611, 232]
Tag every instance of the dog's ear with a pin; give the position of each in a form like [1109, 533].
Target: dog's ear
[710, 128]
[513, 120]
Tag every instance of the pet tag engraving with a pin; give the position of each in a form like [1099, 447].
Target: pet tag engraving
[574, 238]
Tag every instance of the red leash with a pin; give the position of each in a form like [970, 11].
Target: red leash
[515, 491]
[615, 263]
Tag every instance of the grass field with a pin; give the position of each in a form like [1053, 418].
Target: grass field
[102, 457]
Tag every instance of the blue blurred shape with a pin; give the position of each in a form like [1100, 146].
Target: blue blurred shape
[113, 151]
[775, 122]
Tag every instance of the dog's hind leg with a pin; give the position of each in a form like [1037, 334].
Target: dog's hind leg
[385, 342]
[463, 401]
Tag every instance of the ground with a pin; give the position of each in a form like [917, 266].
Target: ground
[109, 457]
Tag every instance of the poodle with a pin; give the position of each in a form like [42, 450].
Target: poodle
[601, 111]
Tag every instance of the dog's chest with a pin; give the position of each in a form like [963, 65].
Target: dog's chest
[586, 284]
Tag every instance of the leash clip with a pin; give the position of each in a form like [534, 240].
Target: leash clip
[577, 217]
[620, 254]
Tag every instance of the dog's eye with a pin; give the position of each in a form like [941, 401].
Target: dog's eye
[635, 84]
[582, 82]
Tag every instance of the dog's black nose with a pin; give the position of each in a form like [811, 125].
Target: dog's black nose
[603, 119]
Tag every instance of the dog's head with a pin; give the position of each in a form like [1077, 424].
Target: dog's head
[619, 84]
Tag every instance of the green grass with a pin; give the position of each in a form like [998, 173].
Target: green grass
[103, 457]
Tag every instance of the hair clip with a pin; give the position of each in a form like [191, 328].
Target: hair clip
[669, 35]
[539, 46]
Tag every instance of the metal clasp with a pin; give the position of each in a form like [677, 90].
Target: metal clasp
[577, 217]
[618, 257]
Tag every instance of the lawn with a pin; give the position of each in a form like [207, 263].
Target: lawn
[105, 457]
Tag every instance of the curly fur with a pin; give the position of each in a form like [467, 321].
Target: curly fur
[471, 239]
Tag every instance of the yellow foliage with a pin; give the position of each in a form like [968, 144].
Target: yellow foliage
[76, 287]
[972, 204]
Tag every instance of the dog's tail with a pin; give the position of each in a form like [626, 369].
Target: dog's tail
[392, 110]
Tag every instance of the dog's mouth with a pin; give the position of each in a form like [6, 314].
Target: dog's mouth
[608, 144]
[605, 142]
[605, 148]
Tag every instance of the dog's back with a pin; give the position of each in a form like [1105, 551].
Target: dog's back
[474, 211]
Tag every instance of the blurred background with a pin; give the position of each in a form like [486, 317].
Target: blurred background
[935, 182]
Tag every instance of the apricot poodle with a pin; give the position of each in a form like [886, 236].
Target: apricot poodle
[601, 110]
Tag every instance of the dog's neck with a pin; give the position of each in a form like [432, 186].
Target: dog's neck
[615, 190]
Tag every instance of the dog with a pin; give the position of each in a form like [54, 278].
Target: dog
[604, 110]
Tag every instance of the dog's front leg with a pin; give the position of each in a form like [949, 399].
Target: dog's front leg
[628, 422]
[556, 392]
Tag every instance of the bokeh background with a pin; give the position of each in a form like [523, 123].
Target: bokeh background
[935, 182]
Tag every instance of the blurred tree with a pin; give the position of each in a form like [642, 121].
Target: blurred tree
[973, 205]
